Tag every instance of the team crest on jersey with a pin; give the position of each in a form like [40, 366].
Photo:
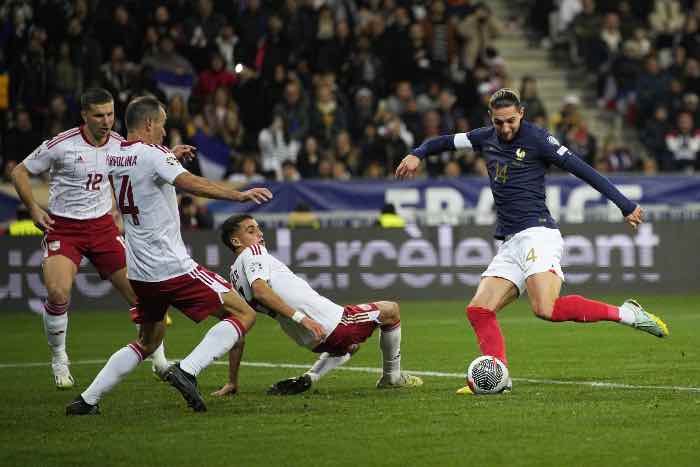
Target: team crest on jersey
[520, 154]
[553, 141]
[172, 160]
[54, 245]
[255, 267]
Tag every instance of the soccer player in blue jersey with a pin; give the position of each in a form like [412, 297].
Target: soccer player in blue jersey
[517, 154]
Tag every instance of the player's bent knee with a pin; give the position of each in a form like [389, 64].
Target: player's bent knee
[57, 295]
[390, 312]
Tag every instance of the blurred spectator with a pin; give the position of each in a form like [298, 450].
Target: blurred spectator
[275, 147]
[116, 74]
[448, 111]
[453, 169]
[309, 158]
[328, 117]
[290, 172]
[59, 117]
[201, 29]
[616, 158]
[215, 109]
[21, 140]
[690, 40]
[67, 78]
[294, 109]
[121, 30]
[691, 77]
[227, 41]
[23, 225]
[30, 86]
[374, 170]
[178, 115]
[302, 217]
[388, 219]
[683, 144]
[653, 136]
[398, 102]
[86, 53]
[569, 115]
[340, 171]
[440, 35]
[214, 77]
[325, 169]
[172, 71]
[530, 100]
[582, 142]
[363, 111]
[346, 152]
[478, 30]
[194, 217]
[247, 172]
[666, 21]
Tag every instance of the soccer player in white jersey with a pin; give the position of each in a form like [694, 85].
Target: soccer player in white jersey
[79, 222]
[144, 176]
[270, 287]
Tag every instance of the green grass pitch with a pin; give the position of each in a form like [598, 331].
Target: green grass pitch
[345, 421]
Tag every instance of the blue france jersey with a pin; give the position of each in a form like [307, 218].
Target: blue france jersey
[517, 170]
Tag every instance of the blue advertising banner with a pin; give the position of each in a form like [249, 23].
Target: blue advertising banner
[568, 198]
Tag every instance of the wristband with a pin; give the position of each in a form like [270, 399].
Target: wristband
[298, 316]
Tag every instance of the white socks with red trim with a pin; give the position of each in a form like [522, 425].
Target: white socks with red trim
[218, 340]
[324, 364]
[120, 364]
[56, 326]
[390, 343]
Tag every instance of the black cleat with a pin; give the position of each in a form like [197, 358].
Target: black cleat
[291, 386]
[80, 407]
[187, 385]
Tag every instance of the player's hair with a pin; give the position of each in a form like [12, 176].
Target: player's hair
[141, 109]
[231, 225]
[504, 97]
[95, 96]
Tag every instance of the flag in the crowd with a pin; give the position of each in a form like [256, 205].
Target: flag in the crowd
[212, 153]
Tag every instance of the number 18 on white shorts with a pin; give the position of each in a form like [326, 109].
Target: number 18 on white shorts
[528, 252]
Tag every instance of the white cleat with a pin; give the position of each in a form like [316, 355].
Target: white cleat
[645, 321]
[159, 373]
[403, 381]
[61, 374]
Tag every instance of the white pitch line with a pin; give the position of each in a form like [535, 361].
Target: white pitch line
[437, 374]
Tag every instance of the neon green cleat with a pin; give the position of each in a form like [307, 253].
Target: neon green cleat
[404, 381]
[645, 321]
[465, 391]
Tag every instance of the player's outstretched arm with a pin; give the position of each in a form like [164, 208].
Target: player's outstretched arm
[264, 294]
[200, 186]
[234, 363]
[409, 165]
[23, 186]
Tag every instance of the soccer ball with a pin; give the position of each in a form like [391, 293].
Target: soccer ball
[487, 375]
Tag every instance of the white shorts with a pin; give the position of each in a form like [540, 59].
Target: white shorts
[533, 250]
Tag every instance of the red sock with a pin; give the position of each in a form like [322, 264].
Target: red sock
[488, 332]
[582, 310]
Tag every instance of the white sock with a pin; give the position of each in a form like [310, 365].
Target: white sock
[56, 327]
[216, 342]
[160, 363]
[390, 343]
[626, 315]
[120, 364]
[324, 364]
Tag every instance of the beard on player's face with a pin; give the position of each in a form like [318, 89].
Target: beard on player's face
[507, 121]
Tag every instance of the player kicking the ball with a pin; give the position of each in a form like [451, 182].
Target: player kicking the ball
[310, 319]
[517, 154]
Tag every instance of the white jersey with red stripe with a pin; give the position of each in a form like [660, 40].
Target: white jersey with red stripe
[78, 187]
[256, 263]
[142, 176]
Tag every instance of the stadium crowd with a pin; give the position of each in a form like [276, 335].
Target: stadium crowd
[643, 58]
[335, 89]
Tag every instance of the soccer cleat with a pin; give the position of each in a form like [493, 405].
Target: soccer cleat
[168, 319]
[159, 373]
[291, 386]
[404, 381]
[61, 374]
[645, 321]
[187, 385]
[80, 407]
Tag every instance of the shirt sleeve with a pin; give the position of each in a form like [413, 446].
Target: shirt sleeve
[165, 165]
[564, 158]
[256, 265]
[40, 159]
[438, 144]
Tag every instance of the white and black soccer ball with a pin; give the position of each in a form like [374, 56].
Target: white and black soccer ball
[487, 375]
